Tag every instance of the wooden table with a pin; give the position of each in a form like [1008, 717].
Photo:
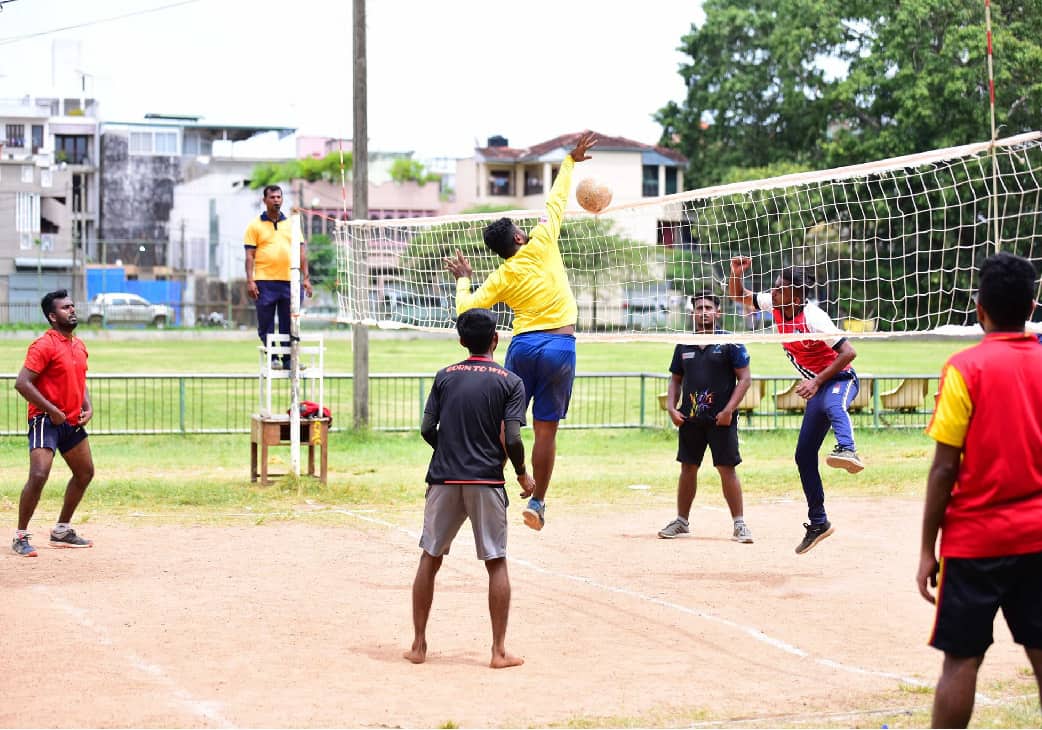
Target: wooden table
[268, 431]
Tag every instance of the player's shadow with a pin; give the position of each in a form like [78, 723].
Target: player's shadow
[393, 654]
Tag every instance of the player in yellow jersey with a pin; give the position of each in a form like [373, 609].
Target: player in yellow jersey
[533, 282]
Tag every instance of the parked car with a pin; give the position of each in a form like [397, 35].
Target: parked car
[646, 310]
[120, 308]
[420, 309]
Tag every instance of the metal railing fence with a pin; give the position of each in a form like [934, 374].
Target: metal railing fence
[148, 404]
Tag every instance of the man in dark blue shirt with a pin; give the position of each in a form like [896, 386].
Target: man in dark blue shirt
[470, 404]
[708, 383]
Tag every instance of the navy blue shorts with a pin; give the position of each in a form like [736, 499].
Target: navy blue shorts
[45, 435]
[972, 590]
[546, 365]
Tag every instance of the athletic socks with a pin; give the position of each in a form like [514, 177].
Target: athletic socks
[60, 529]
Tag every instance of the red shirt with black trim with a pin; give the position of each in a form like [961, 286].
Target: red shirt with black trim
[809, 357]
[60, 363]
[470, 401]
[989, 406]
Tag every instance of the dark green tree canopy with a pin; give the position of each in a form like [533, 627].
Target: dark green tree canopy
[822, 83]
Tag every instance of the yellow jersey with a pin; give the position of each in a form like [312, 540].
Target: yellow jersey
[272, 240]
[533, 282]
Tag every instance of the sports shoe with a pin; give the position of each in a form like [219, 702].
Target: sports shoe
[676, 528]
[815, 534]
[742, 533]
[534, 514]
[841, 458]
[70, 540]
[20, 545]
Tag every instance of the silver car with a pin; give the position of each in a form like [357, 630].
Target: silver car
[119, 308]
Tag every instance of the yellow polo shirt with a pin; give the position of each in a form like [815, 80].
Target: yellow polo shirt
[273, 241]
[533, 282]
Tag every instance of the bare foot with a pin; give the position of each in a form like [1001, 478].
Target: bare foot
[504, 660]
[417, 654]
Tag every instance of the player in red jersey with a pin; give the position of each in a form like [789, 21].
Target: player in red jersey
[829, 383]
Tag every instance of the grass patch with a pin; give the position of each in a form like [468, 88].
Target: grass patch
[206, 478]
[237, 353]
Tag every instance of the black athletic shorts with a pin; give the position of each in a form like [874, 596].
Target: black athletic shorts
[722, 441]
[970, 592]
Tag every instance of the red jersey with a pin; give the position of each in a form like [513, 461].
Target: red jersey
[809, 357]
[61, 365]
[988, 406]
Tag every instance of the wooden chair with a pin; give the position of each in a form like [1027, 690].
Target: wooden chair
[751, 400]
[788, 400]
[863, 399]
[907, 397]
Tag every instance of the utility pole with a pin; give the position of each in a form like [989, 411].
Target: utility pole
[360, 188]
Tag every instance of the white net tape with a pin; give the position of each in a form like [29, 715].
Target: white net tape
[894, 246]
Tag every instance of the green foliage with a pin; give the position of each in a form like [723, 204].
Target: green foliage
[820, 84]
[309, 168]
[322, 262]
[404, 170]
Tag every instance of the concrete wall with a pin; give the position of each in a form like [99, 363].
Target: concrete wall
[137, 191]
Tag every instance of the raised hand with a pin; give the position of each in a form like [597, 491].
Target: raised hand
[741, 264]
[586, 141]
[458, 265]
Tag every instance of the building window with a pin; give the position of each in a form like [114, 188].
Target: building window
[499, 182]
[37, 137]
[15, 135]
[140, 143]
[650, 181]
[671, 180]
[71, 148]
[27, 218]
[153, 143]
[533, 181]
[166, 143]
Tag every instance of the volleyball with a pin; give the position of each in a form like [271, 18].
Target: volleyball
[593, 195]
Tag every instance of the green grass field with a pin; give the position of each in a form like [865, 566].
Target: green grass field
[190, 480]
[205, 352]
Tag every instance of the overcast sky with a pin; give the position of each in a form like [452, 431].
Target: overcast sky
[442, 74]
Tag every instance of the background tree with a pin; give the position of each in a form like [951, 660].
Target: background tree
[408, 169]
[309, 168]
[821, 83]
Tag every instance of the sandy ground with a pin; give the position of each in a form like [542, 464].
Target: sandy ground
[297, 625]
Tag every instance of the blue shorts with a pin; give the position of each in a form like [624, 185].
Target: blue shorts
[45, 435]
[546, 365]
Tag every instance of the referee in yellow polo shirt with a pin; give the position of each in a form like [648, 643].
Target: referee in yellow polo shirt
[268, 242]
[533, 282]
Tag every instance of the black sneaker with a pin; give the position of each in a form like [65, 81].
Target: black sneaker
[815, 534]
[70, 540]
[20, 545]
[848, 459]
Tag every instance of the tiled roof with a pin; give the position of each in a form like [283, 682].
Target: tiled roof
[566, 142]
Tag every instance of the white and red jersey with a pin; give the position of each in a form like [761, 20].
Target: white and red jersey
[809, 357]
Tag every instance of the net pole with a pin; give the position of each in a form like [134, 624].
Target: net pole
[360, 210]
[994, 136]
[294, 344]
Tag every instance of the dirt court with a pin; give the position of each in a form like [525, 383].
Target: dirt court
[295, 625]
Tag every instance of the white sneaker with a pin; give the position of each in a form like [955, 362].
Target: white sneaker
[676, 528]
[742, 533]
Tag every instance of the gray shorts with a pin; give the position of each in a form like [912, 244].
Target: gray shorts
[448, 505]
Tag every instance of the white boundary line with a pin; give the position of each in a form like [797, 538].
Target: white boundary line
[750, 631]
[205, 709]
